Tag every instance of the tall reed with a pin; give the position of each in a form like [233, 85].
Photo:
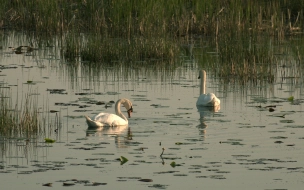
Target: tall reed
[118, 18]
[139, 30]
[19, 120]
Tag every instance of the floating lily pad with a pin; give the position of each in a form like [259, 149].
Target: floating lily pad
[68, 184]
[173, 164]
[291, 98]
[95, 184]
[146, 180]
[180, 175]
[48, 140]
[287, 121]
[159, 186]
[278, 142]
[294, 126]
[217, 177]
[165, 172]
[279, 137]
[47, 184]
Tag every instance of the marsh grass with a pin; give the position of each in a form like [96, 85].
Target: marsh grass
[136, 49]
[21, 119]
[113, 31]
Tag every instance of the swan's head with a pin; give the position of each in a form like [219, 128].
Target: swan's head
[128, 105]
[202, 73]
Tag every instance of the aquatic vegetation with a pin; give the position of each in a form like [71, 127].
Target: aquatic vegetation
[172, 164]
[145, 180]
[241, 38]
[23, 117]
[123, 160]
[47, 184]
[162, 152]
[48, 140]
[291, 98]
[15, 120]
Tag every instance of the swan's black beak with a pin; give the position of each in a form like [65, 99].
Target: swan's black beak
[198, 77]
[130, 111]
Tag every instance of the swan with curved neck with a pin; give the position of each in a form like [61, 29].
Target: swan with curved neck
[209, 99]
[112, 120]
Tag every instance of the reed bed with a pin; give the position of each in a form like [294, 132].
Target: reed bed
[19, 120]
[109, 31]
[176, 18]
[135, 49]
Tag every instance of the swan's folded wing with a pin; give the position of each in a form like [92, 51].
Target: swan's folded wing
[102, 117]
[109, 119]
[207, 100]
[215, 101]
[92, 123]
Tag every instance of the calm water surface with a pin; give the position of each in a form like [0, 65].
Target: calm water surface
[241, 146]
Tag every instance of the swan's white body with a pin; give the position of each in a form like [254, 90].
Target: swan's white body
[209, 99]
[111, 120]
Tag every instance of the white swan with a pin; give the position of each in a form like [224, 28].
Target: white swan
[208, 100]
[112, 120]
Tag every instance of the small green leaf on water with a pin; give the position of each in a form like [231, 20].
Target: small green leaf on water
[290, 98]
[123, 160]
[47, 140]
[178, 143]
[173, 164]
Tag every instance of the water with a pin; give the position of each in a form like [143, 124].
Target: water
[241, 146]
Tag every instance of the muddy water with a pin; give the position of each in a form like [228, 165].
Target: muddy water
[240, 146]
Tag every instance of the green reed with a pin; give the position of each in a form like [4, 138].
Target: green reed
[105, 50]
[20, 118]
[118, 18]
[135, 30]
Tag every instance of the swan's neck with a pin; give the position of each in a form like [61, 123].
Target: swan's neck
[203, 82]
[117, 110]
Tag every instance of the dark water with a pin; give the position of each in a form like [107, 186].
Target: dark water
[241, 146]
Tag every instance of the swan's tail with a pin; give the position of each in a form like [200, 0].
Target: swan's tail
[91, 123]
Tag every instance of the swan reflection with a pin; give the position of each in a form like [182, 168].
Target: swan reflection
[204, 113]
[121, 134]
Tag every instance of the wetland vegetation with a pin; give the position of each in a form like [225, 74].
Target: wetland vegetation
[243, 34]
[237, 41]
[64, 59]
